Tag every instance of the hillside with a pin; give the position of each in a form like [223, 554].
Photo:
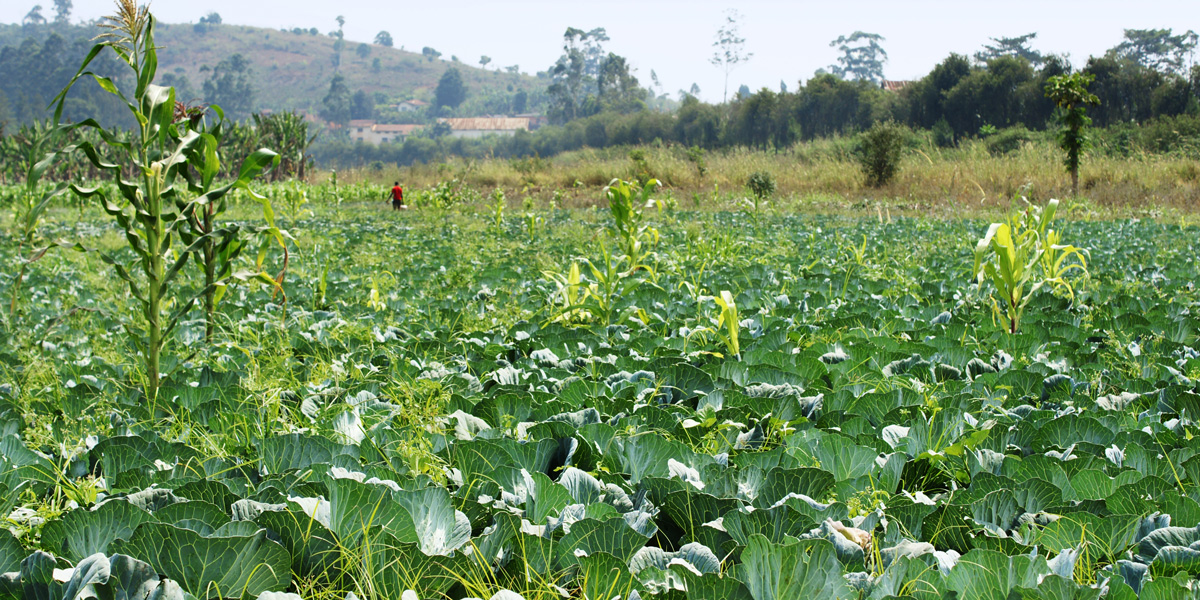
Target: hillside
[293, 70]
[288, 70]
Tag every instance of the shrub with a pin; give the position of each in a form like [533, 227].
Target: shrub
[943, 134]
[641, 166]
[762, 185]
[1008, 140]
[880, 149]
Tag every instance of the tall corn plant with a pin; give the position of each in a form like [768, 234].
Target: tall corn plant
[627, 202]
[33, 144]
[216, 246]
[1023, 255]
[152, 206]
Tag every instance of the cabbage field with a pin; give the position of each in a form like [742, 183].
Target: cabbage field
[610, 403]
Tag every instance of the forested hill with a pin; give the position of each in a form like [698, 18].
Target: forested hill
[280, 70]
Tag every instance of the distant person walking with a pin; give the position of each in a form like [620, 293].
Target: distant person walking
[397, 195]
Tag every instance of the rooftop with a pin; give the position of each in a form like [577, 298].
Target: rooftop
[487, 123]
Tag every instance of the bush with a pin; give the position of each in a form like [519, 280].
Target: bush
[762, 185]
[943, 134]
[1008, 140]
[880, 149]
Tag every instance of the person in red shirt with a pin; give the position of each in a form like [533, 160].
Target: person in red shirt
[397, 196]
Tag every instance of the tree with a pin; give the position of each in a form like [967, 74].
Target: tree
[183, 87]
[430, 54]
[520, 102]
[617, 88]
[362, 106]
[228, 85]
[731, 47]
[363, 51]
[862, 57]
[450, 90]
[1011, 46]
[339, 42]
[34, 16]
[335, 108]
[212, 18]
[575, 75]
[62, 11]
[383, 38]
[1070, 93]
[1158, 49]
[483, 61]
[376, 65]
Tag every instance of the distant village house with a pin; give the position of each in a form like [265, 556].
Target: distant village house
[370, 132]
[477, 127]
[377, 133]
[895, 86]
[413, 105]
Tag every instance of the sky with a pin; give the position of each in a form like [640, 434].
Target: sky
[789, 39]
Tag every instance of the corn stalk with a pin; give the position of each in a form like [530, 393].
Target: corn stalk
[152, 207]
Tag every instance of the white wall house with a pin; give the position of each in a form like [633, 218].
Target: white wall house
[477, 127]
[413, 105]
[376, 133]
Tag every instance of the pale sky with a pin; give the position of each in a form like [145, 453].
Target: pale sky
[789, 39]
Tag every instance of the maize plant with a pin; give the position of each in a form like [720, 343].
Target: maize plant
[1021, 256]
[627, 202]
[154, 206]
[217, 251]
[728, 323]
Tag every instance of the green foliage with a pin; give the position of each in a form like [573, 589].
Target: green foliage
[499, 203]
[335, 108]
[450, 91]
[862, 57]
[1011, 46]
[228, 85]
[362, 106]
[1070, 93]
[943, 134]
[162, 152]
[1008, 140]
[1021, 256]
[1158, 49]
[729, 323]
[762, 186]
[730, 47]
[695, 155]
[425, 419]
[627, 203]
[882, 147]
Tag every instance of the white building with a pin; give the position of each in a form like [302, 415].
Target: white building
[477, 127]
[413, 105]
[376, 133]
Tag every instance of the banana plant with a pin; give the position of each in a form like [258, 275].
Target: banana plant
[153, 206]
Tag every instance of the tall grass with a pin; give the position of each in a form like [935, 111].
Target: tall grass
[930, 179]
